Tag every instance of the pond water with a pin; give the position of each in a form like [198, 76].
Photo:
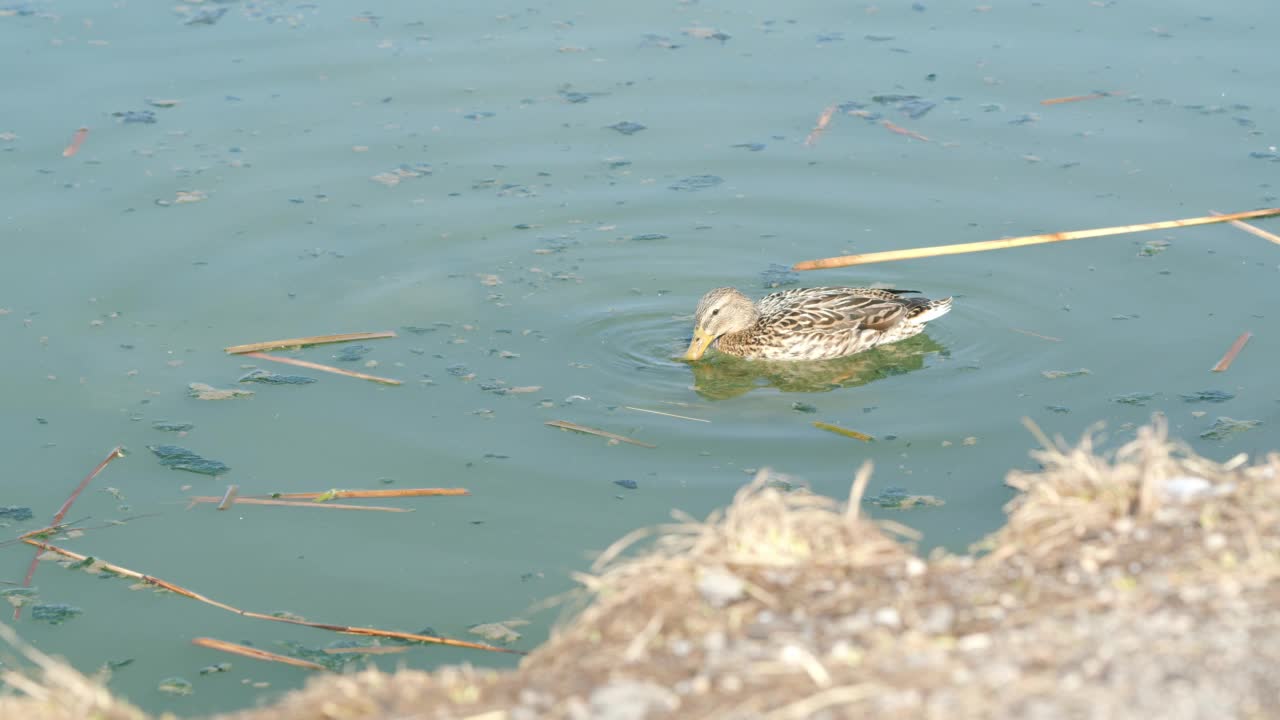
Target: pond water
[474, 177]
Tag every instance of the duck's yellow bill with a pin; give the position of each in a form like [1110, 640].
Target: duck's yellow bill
[701, 341]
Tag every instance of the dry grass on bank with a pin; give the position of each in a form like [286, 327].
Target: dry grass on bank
[1141, 585]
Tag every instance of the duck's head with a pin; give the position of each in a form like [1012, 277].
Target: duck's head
[721, 311]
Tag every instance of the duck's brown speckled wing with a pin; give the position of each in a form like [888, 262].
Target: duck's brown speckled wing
[832, 310]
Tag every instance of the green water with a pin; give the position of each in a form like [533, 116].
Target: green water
[537, 247]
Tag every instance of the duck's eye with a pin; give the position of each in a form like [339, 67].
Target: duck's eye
[715, 312]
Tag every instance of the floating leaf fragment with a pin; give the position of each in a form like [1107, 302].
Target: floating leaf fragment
[177, 685]
[1224, 427]
[180, 458]
[1153, 247]
[19, 596]
[201, 391]
[1057, 374]
[165, 426]
[628, 484]
[269, 378]
[502, 632]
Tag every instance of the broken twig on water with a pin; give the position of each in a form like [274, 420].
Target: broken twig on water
[566, 425]
[667, 414]
[318, 366]
[76, 141]
[1232, 352]
[405, 492]
[823, 121]
[960, 248]
[245, 651]
[345, 629]
[1078, 98]
[116, 452]
[294, 503]
[312, 340]
[229, 497]
[1037, 335]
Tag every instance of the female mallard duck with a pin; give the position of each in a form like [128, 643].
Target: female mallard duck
[808, 323]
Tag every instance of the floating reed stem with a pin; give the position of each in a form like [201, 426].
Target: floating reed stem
[76, 141]
[318, 366]
[116, 452]
[246, 651]
[1078, 98]
[345, 629]
[294, 503]
[666, 414]
[405, 492]
[311, 340]
[566, 425]
[960, 248]
[1252, 229]
[824, 119]
[1232, 352]
[842, 431]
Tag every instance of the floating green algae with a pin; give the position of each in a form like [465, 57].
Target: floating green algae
[165, 426]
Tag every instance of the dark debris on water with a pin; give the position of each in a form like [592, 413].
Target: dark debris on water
[696, 182]
[55, 613]
[180, 458]
[626, 127]
[1213, 396]
[269, 378]
[353, 353]
[16, 513]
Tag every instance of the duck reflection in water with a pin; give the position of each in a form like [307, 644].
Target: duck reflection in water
[726, 376]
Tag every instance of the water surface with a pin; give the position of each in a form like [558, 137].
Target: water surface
[451, 173]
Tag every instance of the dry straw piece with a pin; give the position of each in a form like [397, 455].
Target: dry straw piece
[179, 590]
[960, 248]
[566, 425]
[310, 340]
[1232, 352]
[255, 653]
[323, 368]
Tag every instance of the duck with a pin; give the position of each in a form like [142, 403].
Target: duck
[817, 323]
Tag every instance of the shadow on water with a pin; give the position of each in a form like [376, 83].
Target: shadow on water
[724, 376]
